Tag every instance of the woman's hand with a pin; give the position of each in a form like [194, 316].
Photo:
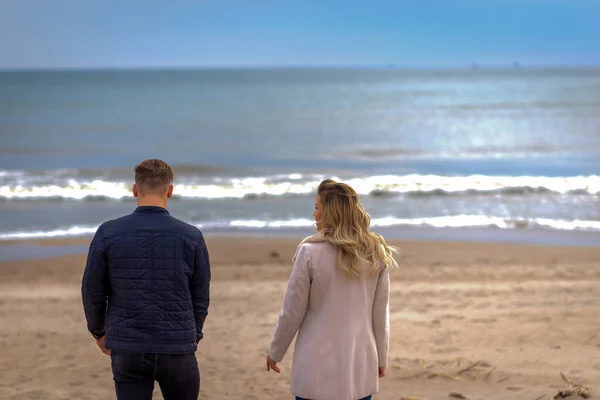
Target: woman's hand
[381, 372]
[272, 364]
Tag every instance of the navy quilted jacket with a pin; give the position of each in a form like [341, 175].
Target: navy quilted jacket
[146, 283]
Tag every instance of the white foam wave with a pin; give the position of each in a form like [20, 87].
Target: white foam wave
[71, 190]
[73, 231]
[471, 221]
[453, 221]
[477, 183]
[296, 184]
[254, 223]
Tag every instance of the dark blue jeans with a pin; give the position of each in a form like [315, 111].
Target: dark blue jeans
[134, 374]
[364, 398]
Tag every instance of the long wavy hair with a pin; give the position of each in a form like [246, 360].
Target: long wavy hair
[345, 223]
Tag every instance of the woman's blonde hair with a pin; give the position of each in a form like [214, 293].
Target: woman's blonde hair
[345, 223]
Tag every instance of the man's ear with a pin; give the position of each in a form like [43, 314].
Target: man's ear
[170, 191]
[134, 190]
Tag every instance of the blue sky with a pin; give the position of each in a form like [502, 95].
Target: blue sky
[192, 33]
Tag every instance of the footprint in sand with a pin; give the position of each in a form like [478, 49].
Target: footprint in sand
[483, 320]
[37, 394]
[446, 350]
[481, 306]
[452, 317]
[24, 379]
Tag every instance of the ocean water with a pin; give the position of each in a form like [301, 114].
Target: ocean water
[502, 150]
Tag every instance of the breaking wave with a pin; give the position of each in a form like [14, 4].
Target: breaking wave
[454, 221]
[59, 187]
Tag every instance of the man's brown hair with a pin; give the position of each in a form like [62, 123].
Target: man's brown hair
[153, 175]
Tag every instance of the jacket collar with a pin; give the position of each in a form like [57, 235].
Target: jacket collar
[151, 210]
[314, 238]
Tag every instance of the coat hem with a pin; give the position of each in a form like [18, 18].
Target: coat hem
[155, 348]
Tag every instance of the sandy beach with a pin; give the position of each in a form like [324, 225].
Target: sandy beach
[483, 321]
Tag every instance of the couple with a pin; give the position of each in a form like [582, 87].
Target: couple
[145, 293]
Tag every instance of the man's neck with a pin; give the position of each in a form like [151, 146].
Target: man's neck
[149, 201]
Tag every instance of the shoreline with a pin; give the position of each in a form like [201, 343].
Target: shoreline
[280, 248]
[37, 248]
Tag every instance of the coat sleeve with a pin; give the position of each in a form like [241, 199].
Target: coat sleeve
[95, 286]
[294, 307]
[381, 316]
[200, 288]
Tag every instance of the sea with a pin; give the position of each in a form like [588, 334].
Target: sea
[509, 154]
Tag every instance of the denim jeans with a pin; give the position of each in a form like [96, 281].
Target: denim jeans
[134, 374]
[364, 398]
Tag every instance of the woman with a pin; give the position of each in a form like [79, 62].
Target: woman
[337, 300]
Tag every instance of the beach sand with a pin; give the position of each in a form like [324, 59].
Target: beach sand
[486, 321]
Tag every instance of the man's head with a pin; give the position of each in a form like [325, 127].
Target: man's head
[153, 179]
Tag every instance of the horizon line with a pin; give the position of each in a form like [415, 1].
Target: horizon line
[389, 66]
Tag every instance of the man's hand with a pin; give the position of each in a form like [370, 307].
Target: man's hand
[100, 343]
[272, 364]
[381, 372]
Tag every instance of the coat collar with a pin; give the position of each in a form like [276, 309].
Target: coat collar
[314, 238]
[151, 210]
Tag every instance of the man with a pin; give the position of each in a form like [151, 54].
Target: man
[145, 292]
